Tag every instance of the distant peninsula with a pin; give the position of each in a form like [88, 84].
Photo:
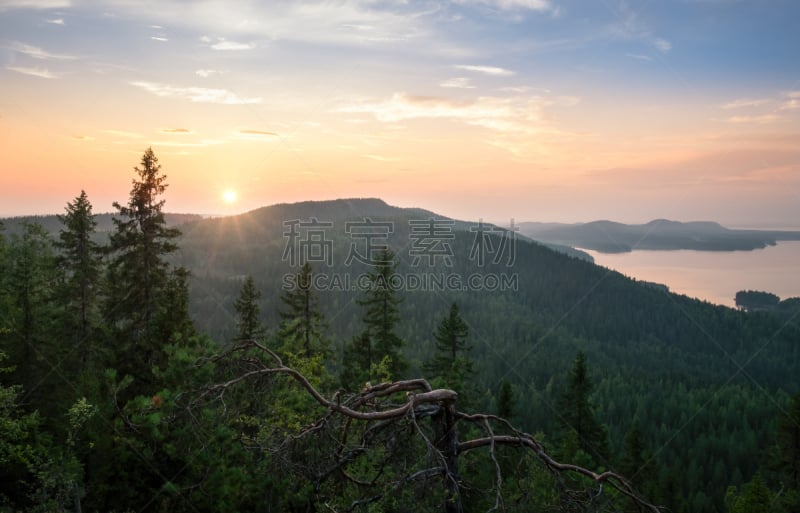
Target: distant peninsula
[659, 234]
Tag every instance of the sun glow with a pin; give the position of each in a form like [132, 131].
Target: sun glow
[229, 196]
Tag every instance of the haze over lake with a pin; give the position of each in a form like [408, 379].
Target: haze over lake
[713, 276]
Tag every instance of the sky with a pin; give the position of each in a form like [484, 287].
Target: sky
[533, 110]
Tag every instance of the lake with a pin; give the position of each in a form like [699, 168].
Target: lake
[713, 276]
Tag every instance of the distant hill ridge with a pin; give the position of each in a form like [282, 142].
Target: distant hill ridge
[660, 234]
[268, 220]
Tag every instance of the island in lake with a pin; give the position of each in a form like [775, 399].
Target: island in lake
[660, 234]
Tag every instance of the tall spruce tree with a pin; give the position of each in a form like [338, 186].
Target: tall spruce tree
[248, 312]
[79, 261]
[379, 343]
[302, 324]
[580, 430]
[138, 273]
[451, 361]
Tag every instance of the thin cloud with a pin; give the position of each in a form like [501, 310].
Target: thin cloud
[258, 132]
[662, 44]
[639, 57]
[34, 72]
[488, 70]
[499, 114]
[196, 94]
[55, 21]
[792, 102]
[205, 73]
[83, 138]
[35, 4]
[511, 5]
[38, 53]
[176, 130]
[745, 102]
[457, 83]
[232, 46]
[758, 120]
[159, 38]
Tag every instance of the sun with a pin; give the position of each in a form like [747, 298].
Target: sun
[229, 196]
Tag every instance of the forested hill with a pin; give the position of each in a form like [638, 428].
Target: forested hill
[659, 234]
[696, 390]
[105, 223]
[704, 381]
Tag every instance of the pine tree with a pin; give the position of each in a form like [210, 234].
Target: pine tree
[450, 360]
[247, 311]
[378, 344]
[505, 401]
[139, 274]
[79, 260]
[634, 465]
[577, 417]
[302, 324]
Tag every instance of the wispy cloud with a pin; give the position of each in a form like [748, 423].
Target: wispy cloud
[232, 45]
[488, 70]
[176, 130]
[495, 113]
[159, 38]
[457, 83]
[745, 102]
[639, 57]
[629, 25]
[662, 44]
[509, 5]
[205, 73]
[255, 134]
[792, 101]
[758, 119]
[38, 53]
[55, 21]
[196, 94]
[35, 72]
[35, 4]
[82, 138]
[197, 144]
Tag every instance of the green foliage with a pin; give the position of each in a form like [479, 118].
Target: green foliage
[451, 362]
[30, 318]
[247, 310]
[19, 449]
[139, 274]
[788, 446]
[580, 430]
[754, 497]
[506, 403]
[753, 300]
[302, 328]
[379, 339]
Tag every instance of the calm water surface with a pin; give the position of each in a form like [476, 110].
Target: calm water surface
[714, 276]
